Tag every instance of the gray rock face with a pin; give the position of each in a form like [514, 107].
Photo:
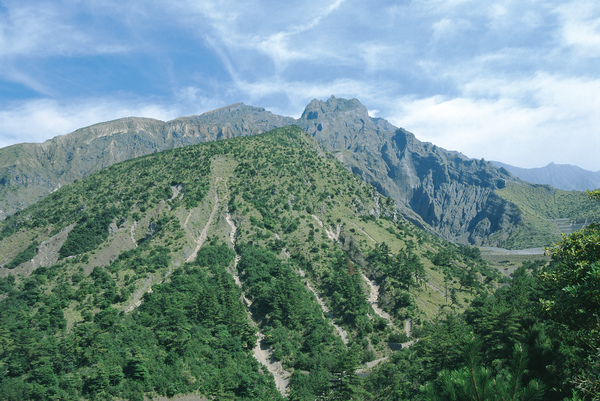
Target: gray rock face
[449, 192]
[441, 190]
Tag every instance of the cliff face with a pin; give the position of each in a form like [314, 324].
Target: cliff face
[441, 190]
[452, 194]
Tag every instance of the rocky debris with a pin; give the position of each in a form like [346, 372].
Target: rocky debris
[46, 254]
[373, 299]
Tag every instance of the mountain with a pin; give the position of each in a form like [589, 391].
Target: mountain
[445, 192]
[449, 192]
[246, 268]
[28, 172]
[561, 176]
[463, 200]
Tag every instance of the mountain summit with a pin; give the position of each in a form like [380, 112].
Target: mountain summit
[446, 192]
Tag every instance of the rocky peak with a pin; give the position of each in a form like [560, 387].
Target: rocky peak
[446, 190]
[334, 105]
[106, 129]
[341, 124]
[235, 111]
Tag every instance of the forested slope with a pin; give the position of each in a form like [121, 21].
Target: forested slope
[250, 268]
[260, 268]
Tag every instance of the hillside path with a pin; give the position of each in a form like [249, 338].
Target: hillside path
[341, 332]
[204, 233]
[334, 236]
[364, 232]
[262, 352]
[136, 299]
[373, 297]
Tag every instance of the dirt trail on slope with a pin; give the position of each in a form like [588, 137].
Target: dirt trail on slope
[262, 352]
[204, 233]
[373, 297]
[136, 299]
[342, 333]
[433, 287]
[334, 236]
[132, 232]
[370, 365]
[364, 232]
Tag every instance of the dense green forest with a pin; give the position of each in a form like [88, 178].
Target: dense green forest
[175, 273]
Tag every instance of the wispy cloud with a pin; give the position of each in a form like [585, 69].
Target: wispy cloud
[49, 31]
[581, 27]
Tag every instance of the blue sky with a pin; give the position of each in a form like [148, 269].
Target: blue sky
[514, 81]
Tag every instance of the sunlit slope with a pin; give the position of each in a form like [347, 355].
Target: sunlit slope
[546, 213]
[246, 268]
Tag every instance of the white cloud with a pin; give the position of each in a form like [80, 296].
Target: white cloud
[446, 28]
[581, 26]
[39, 120]
[36, 31]
[560, 126]
[236, 30]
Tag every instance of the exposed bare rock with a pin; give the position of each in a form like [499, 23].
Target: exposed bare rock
[46, 254]
[447, 191]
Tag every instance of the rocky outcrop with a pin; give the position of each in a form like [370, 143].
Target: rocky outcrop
[450, 193]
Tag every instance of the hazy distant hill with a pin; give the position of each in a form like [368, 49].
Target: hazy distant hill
[452, 195]
[561, 176]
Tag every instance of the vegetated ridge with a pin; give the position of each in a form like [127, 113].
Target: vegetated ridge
[248, 268]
